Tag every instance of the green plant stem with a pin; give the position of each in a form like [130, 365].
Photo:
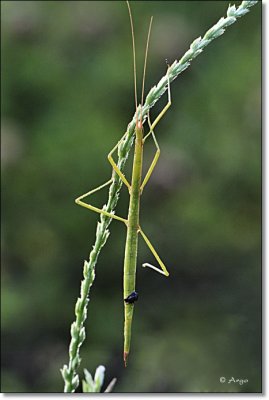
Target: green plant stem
[69, 372]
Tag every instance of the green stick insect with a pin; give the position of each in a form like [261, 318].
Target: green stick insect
[135, 191]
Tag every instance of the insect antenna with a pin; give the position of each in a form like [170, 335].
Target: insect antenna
[134, 58]
[144, 71]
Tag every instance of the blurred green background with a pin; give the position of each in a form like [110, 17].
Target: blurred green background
[67, 96]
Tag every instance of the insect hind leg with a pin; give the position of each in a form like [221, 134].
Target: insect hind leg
[163, 269]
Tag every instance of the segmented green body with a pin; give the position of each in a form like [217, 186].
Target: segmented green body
[132, 239]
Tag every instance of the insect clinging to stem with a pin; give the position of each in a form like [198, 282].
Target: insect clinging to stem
[135, 189]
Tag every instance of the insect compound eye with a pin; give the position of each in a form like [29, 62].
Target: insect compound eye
[131, 298]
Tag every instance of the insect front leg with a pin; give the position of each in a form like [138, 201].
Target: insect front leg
[159, 117]
[151, 132]
[114, 165]
[155, 159]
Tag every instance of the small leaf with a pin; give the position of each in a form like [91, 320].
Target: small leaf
[196, 43]
[230, 21]
[74, 330]
[187, 56]
[77, 307]
[83, 288]
[231, 11]
[75, 381]
[82, 335]
[88, 377]
[221, 23]
[72, 348]
[88, 385]
[99, 377]
[111, 385]
[219, 33]
[65, 373]
[75, 362]
[241, 11]
[86, 268]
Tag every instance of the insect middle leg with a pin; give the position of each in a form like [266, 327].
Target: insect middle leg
[96, 209]
[122, 177]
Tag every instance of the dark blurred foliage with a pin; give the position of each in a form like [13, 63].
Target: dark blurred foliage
[67, 91]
